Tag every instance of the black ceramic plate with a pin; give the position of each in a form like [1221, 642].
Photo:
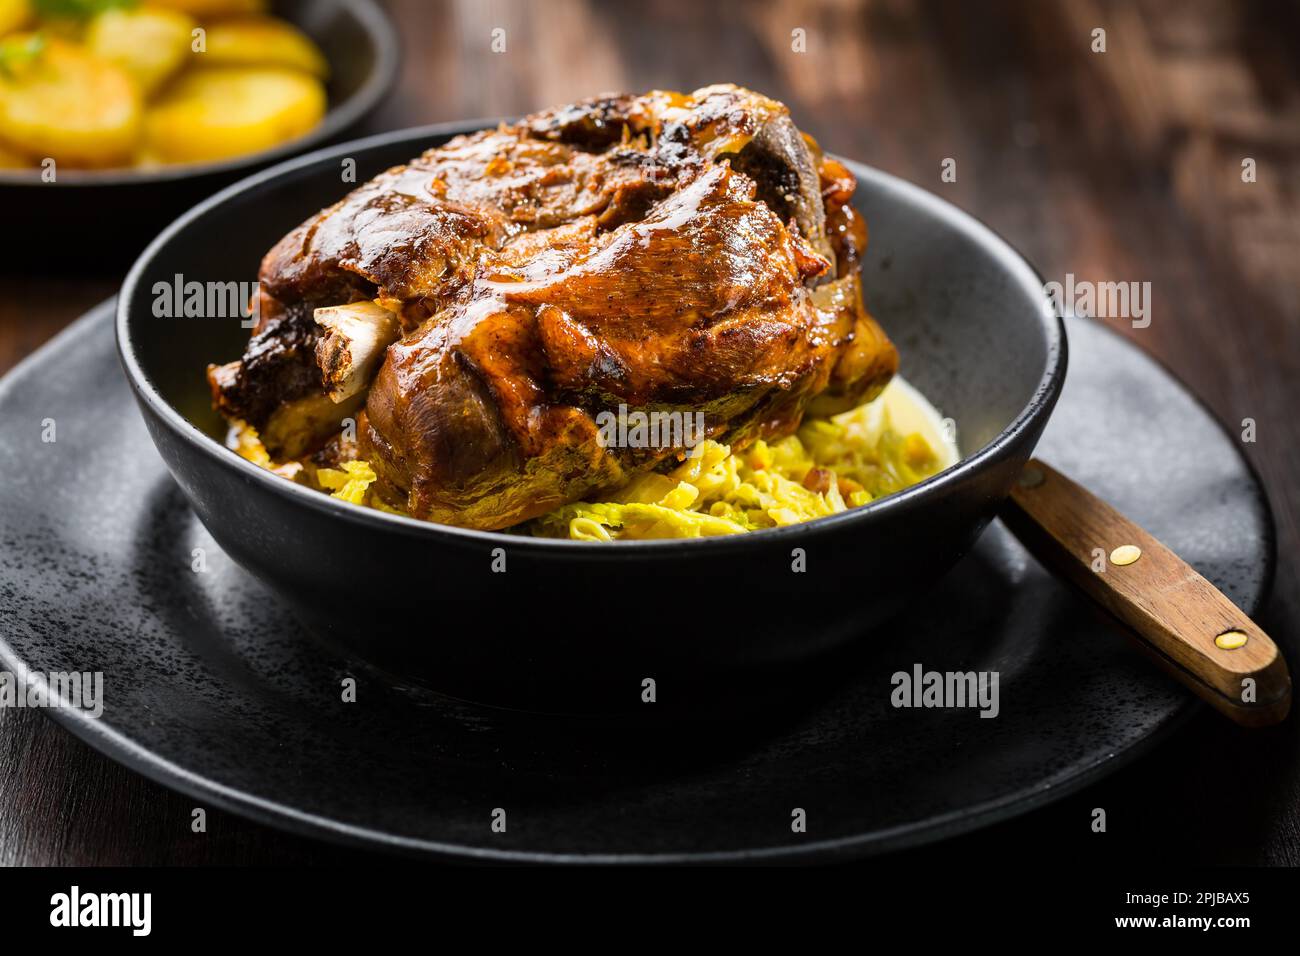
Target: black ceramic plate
[213, 689]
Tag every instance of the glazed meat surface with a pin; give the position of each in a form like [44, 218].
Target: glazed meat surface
[477, 310]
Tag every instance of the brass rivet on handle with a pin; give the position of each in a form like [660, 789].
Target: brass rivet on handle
[1125, 554]
[1232, 639]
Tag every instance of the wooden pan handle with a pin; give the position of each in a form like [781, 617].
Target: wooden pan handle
[1178, 617]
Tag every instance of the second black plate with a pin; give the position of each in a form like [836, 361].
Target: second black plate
[211, 688]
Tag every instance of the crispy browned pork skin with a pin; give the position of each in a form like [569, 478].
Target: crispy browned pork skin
[476, 309]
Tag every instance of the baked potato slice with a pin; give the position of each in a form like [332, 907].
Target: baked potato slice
[64, 103]
[210, 8]
[150, 45]
[262, 41]
[12, 159]
[14, 15]
[216, 113]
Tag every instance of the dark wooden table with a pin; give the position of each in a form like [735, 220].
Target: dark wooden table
[1122, 165]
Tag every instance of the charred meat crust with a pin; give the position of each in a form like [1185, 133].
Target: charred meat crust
[279, 365]
[668, 252]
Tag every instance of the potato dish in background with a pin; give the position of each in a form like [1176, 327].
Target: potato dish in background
[96, 84]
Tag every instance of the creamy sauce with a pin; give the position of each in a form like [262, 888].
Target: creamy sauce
[910, 411]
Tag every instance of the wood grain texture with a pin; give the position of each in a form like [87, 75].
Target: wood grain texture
[1124, 165]
[1174, 613]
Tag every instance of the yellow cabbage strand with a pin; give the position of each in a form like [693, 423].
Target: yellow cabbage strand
[713, 491]
[763, 486]
[351, 483]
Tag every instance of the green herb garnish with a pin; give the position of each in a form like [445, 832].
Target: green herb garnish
[78, 9]
[15, 53]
